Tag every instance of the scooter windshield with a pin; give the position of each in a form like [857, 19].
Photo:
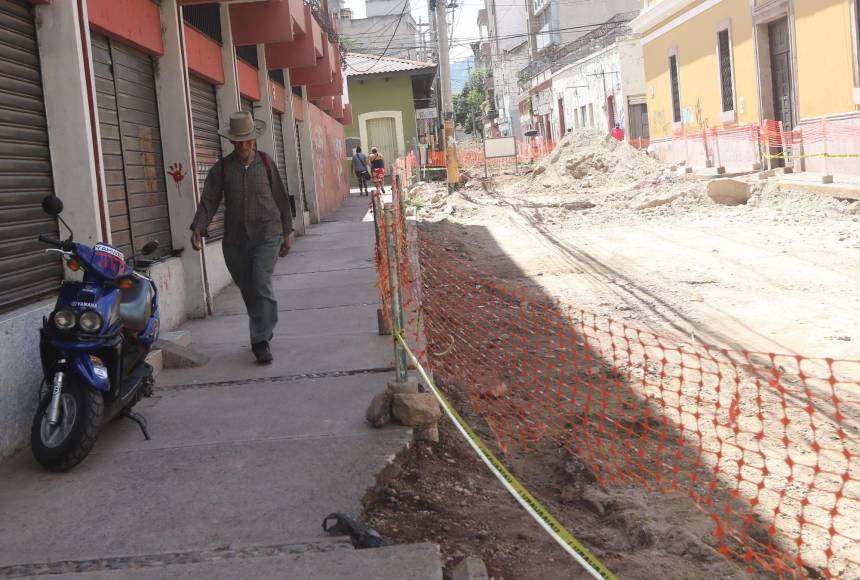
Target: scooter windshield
[103, 260]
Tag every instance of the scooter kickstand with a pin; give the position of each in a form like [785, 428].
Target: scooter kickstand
[139, 419]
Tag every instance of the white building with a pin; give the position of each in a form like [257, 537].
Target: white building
[507, 25]
[601, 90]
[558, 22]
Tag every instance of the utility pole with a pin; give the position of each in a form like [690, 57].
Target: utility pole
[447, 100]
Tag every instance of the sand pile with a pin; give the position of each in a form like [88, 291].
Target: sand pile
[589, 158]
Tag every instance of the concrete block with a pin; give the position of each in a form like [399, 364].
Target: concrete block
[180, 337]
[155, 358]
[826, 179]
[379, 412]
[180, 357]
[729, 191]
[416, 410]
[471, 568]
[410, 387]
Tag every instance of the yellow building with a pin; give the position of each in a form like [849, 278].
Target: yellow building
[738, 63]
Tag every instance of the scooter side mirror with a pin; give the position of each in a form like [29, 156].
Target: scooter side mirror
[149, 247]
[52, 205]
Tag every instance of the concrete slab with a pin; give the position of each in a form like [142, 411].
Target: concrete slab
[363, 274]
[406, 562]
[292, 355]
[336, 320]
[192, 497]
[849, 190]
[280, 409]
[328, 259]
[229, 301]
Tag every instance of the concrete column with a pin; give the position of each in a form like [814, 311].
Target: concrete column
[263, 112]
[174, 100]
[292, 154]
[308, 160]
[227, 94]
[72, 118]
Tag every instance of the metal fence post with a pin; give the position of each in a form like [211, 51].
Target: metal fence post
[400, 361]
[828, 178]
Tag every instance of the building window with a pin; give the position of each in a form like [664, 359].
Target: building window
[277, 76]
[676, 88]
[206, 18]
[726, 84]
[248, 54]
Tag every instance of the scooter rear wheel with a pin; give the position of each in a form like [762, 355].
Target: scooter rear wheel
[62, 447]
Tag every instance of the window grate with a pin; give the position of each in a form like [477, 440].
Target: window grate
[726, 72]
[206, 18]
[248, 54]
[277, 75]
[676, 89]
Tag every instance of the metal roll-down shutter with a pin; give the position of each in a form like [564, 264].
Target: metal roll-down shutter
[26, 273]
[131, 146]
[280, 153]
[207, 142]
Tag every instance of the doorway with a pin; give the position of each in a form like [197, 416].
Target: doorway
[780, 62]
[561, 128]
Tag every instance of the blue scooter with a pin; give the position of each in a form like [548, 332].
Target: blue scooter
[93, 348]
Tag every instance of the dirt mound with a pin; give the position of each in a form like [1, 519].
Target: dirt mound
[589, 158]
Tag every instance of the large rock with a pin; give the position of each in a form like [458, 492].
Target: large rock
[379, 411]
[416, 410]
[729, 191]
[410, 387]
[471, 568]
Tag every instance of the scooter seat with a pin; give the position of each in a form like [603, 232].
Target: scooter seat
[135, 306]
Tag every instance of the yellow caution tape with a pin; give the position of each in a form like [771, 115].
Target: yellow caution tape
[559, 533]
[787, 156]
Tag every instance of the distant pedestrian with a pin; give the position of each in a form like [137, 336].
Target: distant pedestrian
[377, 166]
[359, 167]
[618, 132]
[258, 223]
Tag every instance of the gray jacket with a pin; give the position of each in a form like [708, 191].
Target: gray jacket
[255, 204]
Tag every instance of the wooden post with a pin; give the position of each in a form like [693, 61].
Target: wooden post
[400, 361]
[720, 167]
[828, 178]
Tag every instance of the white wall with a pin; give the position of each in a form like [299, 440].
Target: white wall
[216, 269]
[632, 60]
[20, 373]
[589, 82]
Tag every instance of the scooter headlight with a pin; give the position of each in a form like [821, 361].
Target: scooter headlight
[64, 319]
[90, 321]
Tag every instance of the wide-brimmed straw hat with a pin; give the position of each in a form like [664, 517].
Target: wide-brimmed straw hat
[243, 127]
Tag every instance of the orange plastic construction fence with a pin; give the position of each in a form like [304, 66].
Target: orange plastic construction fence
[766, 444]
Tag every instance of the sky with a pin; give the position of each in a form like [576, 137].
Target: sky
[465, 24]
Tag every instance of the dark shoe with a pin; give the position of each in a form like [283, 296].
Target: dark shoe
[262, 353]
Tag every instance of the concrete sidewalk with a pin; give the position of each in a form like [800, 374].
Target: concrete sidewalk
[245, 461]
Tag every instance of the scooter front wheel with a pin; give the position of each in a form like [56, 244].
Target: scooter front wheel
[61, 447]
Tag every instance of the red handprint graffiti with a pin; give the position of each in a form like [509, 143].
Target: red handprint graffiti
[175, 171]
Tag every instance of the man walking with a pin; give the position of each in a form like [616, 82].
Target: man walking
[359, 166]
[258, 224]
